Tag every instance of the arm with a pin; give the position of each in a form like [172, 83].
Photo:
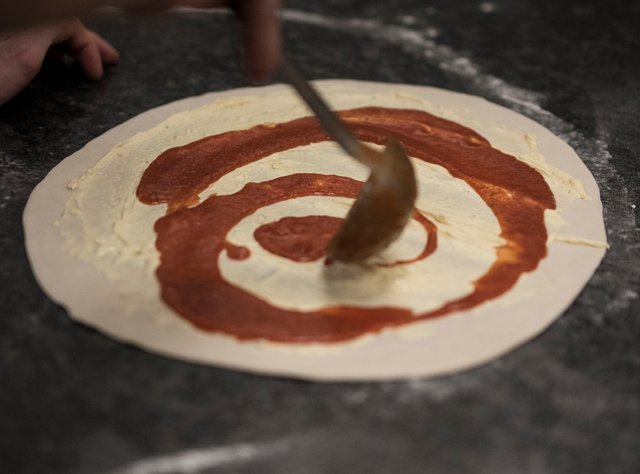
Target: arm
[23, 13]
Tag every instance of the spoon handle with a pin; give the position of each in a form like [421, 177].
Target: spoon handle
[328, 119]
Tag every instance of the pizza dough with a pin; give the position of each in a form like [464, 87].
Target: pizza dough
[85, 221]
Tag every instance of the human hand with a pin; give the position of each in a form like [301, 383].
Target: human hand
[261, 35]
[260, 24]
[22, 53]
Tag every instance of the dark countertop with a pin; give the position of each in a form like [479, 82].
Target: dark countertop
[74, 401]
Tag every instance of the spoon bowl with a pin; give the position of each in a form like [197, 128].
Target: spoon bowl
[385, 203]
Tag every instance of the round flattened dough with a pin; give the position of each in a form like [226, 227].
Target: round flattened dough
[135, 313]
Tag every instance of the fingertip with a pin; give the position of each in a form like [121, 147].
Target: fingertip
[262, 38]
[110, 55]
[115, 59]
[260, 72]
[111, 60]
[263, 49]
[95, 74]
[91, 62]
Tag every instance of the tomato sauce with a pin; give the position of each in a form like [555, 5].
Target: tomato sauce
[191, 236]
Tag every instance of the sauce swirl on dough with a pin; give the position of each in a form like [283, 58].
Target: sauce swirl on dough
[191, 235]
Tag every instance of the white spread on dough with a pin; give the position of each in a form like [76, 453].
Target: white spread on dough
[104, 223]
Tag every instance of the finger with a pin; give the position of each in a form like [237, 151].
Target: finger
[82, 44]
[89, 49]
[261, 37]
[108, 53]
[90, 60]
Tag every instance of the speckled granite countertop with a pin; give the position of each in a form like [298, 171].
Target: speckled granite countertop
[73, 401]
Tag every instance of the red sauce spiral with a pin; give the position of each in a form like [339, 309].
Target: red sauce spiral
[192, 235]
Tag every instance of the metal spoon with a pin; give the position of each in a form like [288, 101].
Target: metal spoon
[385, 203]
